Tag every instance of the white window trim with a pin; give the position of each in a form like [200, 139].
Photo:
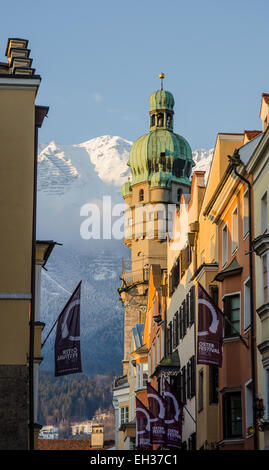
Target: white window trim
[222, 244]
[246, 328]
[233, 250]
[245, 234]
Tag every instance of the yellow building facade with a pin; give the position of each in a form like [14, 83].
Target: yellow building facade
[19, 122]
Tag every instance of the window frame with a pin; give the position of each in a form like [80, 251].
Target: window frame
[248, 405]
[201, 390]
[232, 294]
[247, 326]
[227, 426]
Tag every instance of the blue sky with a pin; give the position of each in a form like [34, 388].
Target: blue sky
[100, 61]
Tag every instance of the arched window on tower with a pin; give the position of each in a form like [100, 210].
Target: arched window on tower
[178, 167]
[153, 120]
[141, 195]
[169, 121]
[160, 120]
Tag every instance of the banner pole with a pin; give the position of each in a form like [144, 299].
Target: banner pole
[55, 323]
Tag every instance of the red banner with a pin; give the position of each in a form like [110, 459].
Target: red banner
[173, 417]
[210, 330]
[143, 427]
[157, 409]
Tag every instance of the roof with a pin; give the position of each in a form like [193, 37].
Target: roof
[68, 444]
[266, 97]
[251, 134]
[161, 99]
[171, 362]
[137, 334]
[231, 270]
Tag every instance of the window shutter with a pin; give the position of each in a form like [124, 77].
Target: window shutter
[174, 332]
[188, 309]
[181, 322]
[183, 384]
[189, 380]
[184, 317]
[192, 305]
[176, 329]
[192, 376]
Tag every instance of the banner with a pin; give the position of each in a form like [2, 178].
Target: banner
[173, 417]
[143, 427]
[67, 341]
[157, 409]
[210, 330]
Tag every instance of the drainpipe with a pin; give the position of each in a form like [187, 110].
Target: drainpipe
[235, 161]
[40, 113]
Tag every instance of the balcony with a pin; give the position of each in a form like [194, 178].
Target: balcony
[130, 275]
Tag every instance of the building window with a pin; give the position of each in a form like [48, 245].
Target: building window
[181, 322]
[144, 374]
[265, 277]
[141, 195]
[214, 293]
[160, 120]
[247, 306]
[232, 315]
[132, 443]
[232, 415]
[224, 245]
[138, 377]
[212, 249]
[235, 230]
[245, 214]
[201, 390]
[184, 317]
[213, 384]
[175, 330]
[183, 385]
[179, 192]
[124, 414]
[191, 378]
[249, 405]
[192, 441]
[264, 215]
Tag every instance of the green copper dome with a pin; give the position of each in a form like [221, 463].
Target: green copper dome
[161, 156]
[161, 99]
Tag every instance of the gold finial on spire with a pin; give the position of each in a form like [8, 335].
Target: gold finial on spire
[161, 76]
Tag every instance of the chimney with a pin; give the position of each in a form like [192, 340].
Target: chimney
[264, 112]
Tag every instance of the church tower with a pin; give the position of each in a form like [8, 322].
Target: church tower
[161, 163]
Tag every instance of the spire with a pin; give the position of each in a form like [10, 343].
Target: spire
[161, 76]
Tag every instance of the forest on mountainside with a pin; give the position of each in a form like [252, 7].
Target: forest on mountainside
[63, 400]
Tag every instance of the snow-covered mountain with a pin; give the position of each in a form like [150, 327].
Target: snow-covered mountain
[68, 177]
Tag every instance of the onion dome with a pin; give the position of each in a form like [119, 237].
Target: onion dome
[161, 156]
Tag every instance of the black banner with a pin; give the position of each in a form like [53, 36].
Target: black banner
[67, 342]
